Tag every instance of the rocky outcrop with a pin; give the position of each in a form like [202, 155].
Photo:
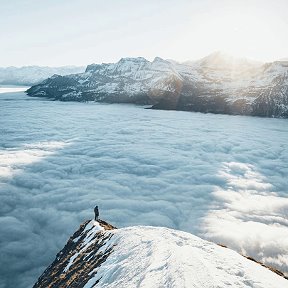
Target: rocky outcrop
[84, 251]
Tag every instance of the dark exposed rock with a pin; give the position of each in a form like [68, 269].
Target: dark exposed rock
[84, 265]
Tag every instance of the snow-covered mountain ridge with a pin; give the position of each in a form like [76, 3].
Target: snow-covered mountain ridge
[217, 84]
[97, 255]
[31, 75]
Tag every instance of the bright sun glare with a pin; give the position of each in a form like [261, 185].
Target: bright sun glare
[246, 34]
[240, 32]
[254, 29]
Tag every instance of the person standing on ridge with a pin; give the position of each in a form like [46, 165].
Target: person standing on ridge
[96, 211]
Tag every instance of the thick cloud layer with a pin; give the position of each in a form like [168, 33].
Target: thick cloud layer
[221, 177]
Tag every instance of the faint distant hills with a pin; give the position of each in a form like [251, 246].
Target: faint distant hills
[31, 75]
[216, 83]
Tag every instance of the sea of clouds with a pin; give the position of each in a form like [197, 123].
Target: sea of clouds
[221, 177]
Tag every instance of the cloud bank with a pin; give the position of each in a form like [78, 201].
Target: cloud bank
[248, 216]
[220, 177]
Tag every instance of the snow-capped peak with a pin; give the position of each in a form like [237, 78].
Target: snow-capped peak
[132, 60]
[218, 83]
[150, 257]
[158, 59]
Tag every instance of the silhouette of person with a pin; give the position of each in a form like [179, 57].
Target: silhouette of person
[96, 211]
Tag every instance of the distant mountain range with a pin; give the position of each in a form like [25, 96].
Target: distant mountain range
[31, 75]
[215, 84]
[99, 255]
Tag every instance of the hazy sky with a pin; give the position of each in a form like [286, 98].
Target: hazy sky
[64, 32]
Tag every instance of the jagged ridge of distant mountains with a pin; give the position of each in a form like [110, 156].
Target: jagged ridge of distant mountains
[215, 84]
[97, 255]
[31, 75]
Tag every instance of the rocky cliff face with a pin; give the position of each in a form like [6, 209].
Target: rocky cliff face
[99, 255]
[216, 84]
[78, 261]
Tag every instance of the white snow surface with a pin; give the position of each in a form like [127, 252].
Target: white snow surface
[150, 257]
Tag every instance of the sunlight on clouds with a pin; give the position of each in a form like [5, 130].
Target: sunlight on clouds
[247, 217]
[14, 160]
[243, 176]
